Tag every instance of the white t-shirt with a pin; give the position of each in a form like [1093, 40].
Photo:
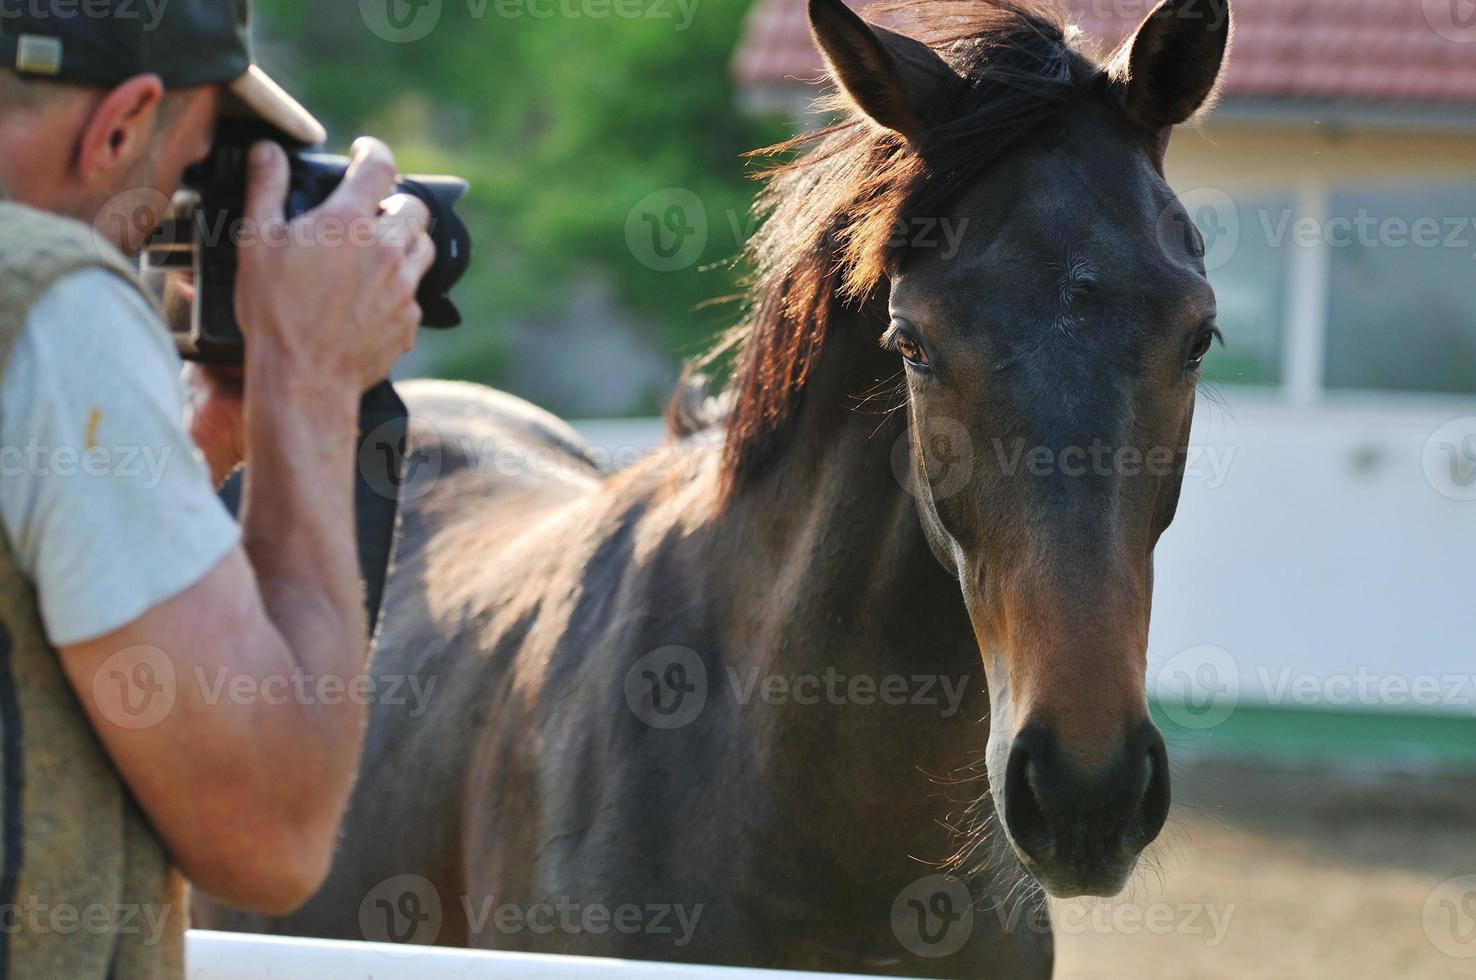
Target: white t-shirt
[106, 502]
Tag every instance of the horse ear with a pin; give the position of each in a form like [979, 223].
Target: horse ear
[891, 77]
[1167, 70]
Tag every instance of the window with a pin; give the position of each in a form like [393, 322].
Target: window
[1246, 261]
[1401, 312]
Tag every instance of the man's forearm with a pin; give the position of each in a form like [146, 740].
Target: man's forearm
[298, 525]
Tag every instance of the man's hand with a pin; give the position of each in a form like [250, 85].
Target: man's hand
[333, 293]
[329, 299]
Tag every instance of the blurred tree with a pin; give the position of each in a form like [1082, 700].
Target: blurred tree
[564, 114]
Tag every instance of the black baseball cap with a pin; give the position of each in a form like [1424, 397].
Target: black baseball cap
[185, 42]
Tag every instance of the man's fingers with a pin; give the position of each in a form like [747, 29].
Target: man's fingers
[406, 218]
[266, 185]
[371, 178]
[412, 321]
[420, 258]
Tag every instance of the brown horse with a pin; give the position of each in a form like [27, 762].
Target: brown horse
[812, 686]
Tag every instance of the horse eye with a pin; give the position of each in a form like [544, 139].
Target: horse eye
[1203, 340]
[900, 338]
[912, 351]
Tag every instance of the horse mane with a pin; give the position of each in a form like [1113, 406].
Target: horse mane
[830, 213]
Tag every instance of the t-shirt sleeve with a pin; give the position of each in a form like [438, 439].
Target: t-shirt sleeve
[104, 499]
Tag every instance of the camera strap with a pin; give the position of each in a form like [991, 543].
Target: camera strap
[379, 470]
[383, 429]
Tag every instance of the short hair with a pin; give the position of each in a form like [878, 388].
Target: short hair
[26, 94]
[29, 94]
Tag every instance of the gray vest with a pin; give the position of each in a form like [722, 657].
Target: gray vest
[86, 888]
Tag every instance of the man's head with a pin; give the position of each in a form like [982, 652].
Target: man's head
[94, 153]
[100, 116]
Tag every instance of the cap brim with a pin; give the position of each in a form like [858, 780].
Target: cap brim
[267, 100]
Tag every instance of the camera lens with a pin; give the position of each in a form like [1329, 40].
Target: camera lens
[453, 246]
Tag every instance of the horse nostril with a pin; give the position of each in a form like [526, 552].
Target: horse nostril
[1154, 806]
[1027, 822]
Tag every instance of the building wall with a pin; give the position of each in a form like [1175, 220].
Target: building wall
[1335, 554]
[1315, 563]
[1241, 153]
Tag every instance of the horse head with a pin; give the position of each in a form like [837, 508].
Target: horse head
[1051, 356]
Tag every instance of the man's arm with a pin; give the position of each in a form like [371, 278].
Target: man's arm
[197, 704]
[247, 772]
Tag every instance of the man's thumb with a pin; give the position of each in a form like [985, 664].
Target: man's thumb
[266, 185]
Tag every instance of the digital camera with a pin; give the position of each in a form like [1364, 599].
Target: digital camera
[206, 224]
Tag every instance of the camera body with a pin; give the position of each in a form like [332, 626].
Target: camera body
[207, 225]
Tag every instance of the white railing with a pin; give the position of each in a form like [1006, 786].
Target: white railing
[235, 956]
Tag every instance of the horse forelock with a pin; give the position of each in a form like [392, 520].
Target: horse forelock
[830, 214]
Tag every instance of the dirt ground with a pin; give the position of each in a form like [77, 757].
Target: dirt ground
[1295, 874]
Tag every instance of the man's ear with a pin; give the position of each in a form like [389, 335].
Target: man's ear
[892, 78]
[1167, 70]
[119, 130]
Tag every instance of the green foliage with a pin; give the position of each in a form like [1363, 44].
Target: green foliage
[562, 124]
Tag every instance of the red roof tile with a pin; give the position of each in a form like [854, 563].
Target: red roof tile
[1365, 50]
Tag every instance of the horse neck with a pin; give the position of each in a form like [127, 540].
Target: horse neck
[837, 575]
[830, 511]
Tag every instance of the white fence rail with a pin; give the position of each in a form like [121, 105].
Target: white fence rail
[234, 956]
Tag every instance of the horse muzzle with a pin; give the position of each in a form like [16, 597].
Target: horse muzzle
[1080, 832]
